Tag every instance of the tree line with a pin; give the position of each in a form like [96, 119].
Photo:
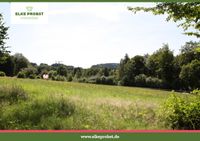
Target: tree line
[162, 69]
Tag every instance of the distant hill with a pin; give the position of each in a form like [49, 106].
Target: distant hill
[106, 65]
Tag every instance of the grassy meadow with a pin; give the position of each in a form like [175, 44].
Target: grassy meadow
[45, 104]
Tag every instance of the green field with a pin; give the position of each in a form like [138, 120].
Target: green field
[68, 105]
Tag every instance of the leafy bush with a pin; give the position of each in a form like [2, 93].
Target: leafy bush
[32, 76]
[81, 80]
[140, 80]
[154, 82]
[182, 112]
[126, 81]
[105, 80]
[92, 79]
[59, 78]
[69, 78]
[27, 73]
[30, 72]
[21, 74]
[12, 94]
[52, 74]
[195, 92]
[2, 73]
[38, 77]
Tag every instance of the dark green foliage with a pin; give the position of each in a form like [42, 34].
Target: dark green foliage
[131, 68]
[161, 65]
[189, 52]
[105, 80]
[143, 81]
[136, 70]
[138, 65]
[190, 75]
[121, 69]
[90, 72]
[52, 74]
[21, 62]
[126, 81]
[12, 94]
[2, 73]
[62, 70]
[104, 72]
[69, 78]
[30, 72]
[3, 37]
[8, 65]
[27, 73]
[21, 74]
[32, 76]
[106, 65]
[59, 78]
[154, 82]
[140, 80]
[77, 72]
[92, 79]
[182, 112]
[38, 77]
[43, 68]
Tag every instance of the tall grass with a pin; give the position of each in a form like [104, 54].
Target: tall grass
[59, 105]
[48, 113]
[12, 94]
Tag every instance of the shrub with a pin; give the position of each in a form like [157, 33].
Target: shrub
[27, 73]
[32, 76]
[2, 73]
[69, 78]
[60, 78]
[126, 81]
[21, 74]
[53, 78]
[52, 74]
[38, 77]
[195, 92]
[12, 94]
[30, 72]
[140, 80]
[82, 80]
[110, 80]
[92, 79]
[182, 113]
[105, 80]
[154, 82]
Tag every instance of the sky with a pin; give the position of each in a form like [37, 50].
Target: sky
[85, 34]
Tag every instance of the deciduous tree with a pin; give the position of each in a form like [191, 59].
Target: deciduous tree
[3, 38]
